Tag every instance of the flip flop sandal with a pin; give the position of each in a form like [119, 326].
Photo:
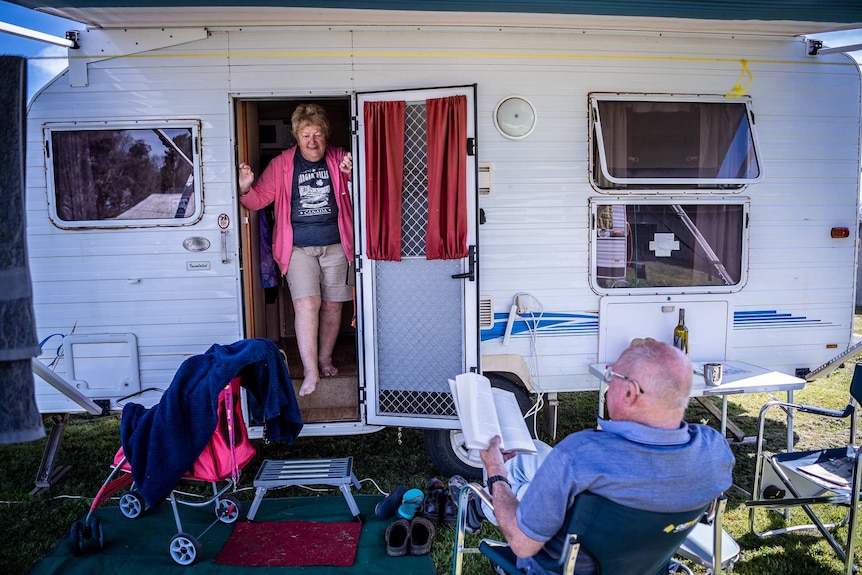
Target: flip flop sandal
[398, 538]
[421, 536]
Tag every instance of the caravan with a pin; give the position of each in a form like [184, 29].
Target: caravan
[599, 173]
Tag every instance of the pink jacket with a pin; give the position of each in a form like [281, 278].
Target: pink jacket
[275, 185]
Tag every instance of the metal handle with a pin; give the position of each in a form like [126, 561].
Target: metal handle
[224, 258]
[470, 274]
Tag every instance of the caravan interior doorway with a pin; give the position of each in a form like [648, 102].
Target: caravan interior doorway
[263, 132]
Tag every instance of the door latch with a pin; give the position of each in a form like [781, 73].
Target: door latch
[470, 274]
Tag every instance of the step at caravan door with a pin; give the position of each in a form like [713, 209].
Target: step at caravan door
[416, 220]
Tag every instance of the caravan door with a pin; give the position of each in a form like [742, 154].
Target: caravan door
[417, 273]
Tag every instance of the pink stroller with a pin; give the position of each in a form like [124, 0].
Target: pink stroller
[228, 451]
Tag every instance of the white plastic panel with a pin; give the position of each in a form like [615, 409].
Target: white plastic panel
[621, 319]
[103, 365]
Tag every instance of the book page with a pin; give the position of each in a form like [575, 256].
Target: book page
[474, 404]
[513, 428]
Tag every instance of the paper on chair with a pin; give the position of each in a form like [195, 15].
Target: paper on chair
[838, 472]
[485, 411]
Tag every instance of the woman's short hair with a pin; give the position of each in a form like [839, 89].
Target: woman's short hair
[309, 115]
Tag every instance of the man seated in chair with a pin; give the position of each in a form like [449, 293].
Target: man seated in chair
[646, 457]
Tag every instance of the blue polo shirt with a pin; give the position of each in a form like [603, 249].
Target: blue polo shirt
[629, 463]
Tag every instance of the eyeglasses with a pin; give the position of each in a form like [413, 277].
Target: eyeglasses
[610, 374]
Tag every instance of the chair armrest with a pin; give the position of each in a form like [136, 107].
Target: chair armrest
[480, 492]
[494, 543]
[812, 409]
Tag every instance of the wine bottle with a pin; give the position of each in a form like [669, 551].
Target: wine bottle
[680, 333]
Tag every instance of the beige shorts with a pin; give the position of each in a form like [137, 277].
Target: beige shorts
[319, 271]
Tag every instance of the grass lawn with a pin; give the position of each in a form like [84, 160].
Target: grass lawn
[31, 525]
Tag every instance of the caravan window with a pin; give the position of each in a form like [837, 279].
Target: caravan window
[141, 174]
[667, 247]
[672, 144]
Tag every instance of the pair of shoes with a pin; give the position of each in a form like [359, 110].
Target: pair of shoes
[415, 536]
[386, 508]
[440, 506]
[411, 503]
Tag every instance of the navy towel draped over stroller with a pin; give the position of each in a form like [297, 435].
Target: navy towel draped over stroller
[161, 443]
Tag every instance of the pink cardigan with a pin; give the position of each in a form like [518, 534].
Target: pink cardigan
[275, 185]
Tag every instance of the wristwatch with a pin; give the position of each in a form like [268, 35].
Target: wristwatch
[494, 479]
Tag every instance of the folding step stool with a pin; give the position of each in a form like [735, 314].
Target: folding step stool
[277, 473]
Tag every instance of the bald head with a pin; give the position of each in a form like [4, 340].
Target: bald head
[663, 371]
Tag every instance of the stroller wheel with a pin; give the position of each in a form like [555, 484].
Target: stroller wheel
[227, 509]
[76, 536]
[94, 526]
[131, 504]
[184, 549]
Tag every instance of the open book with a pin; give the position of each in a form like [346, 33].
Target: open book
[485, 411]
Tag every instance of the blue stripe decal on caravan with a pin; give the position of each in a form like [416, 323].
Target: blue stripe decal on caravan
[547, 324]
[762, 319]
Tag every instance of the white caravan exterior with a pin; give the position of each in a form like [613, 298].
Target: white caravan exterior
[567, 235]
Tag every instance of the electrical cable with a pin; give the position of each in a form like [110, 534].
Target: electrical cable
[533, 364]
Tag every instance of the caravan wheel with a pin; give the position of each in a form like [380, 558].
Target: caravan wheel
[446, 446]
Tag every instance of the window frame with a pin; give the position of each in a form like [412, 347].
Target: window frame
[597, 150]
[50, 128]
[594, 204]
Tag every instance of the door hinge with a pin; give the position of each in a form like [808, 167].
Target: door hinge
[471, 146]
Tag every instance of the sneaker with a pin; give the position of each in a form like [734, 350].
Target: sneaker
[387, 507]
[456, 482]
[475, 516]
[432, 510]
[450, 510]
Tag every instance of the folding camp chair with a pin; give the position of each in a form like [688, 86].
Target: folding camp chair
[621, 540]
[830, 476]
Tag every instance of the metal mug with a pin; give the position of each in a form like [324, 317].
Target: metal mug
[712, 373]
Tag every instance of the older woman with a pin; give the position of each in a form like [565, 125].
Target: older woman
[313, 236]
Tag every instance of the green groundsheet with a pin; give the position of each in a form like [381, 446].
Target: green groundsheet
[138, 546]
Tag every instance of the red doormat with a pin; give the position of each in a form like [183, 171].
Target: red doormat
[291, 544]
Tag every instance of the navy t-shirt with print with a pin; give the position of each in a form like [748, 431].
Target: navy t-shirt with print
[313, 211]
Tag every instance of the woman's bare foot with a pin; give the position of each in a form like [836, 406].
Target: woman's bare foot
[309, 384]
[326, 367]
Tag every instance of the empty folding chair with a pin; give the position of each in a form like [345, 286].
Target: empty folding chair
[829, 476]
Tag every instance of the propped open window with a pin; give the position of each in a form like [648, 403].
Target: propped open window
[649, 142]
[124, 174]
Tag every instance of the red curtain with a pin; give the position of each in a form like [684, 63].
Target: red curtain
[384, 173]
[447, 178]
